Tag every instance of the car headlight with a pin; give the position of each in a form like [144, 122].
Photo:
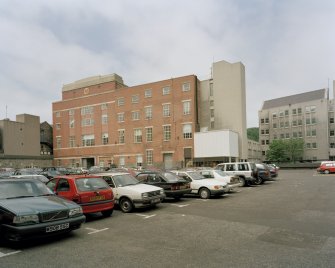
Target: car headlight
[75, 212]
[161, 191]
[145, 195]
[26, 219]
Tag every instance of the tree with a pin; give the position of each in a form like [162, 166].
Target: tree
[253, 133]
[285, 150]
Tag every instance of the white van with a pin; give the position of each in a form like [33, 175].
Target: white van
[246, 171]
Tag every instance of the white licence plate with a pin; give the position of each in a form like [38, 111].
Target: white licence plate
[156, 200]
[57, 227]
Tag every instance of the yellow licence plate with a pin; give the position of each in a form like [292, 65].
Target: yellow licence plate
[97, 198]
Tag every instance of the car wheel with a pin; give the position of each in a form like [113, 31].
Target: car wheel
[126, 205]
[326, 171]
[204, 193]
[107, 213]
[242, 181]
[258, 181]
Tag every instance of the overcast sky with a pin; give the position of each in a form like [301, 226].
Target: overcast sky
[287, 46]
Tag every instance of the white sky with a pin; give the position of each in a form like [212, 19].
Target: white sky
[287, 46]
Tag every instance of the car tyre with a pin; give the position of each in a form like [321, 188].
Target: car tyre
[204, 193]
[107, 213]
[326, 171]
[126, 205]
[242, 181]
[258, 181]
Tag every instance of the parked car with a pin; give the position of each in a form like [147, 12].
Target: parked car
[92, 193]
[246, 171]
[173, 185]
[326, 168]
[262, 174]
[201, 186]
[28, 209]
[232, 181]
[34, 176]
[129, 193]
[273, 170]
[51, 173]
[26, 171]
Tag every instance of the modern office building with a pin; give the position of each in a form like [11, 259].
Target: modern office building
[309, 116]
[101, 121]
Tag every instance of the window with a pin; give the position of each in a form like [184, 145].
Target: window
[294, 123]
[212, 113]
[87, 110]
[57, 114]
[308, 121]
[287, 135]
[87, 122]
[120, 117]
[300, 122]
[295, 135]
[166, 109]
[308, 145]
[331, 120]
[186, 86]
[300, 134]
[262, 120]
[122, 161]
[274, 136]
[71, 124]
[212, 125]
[282, 136]
[58, 126]
[211, 89]
[104, 119]
[186, 107]
[166, 90]
[148, 112]
[266, 131]
[211, 103]
[147, 93]
[148, 134]
[314, 146]
[149, 156]
[230, 167]
[266, 120]
[281, 113]
[87, 140]
[274, 125]
[137, 135]
[299, 110]
[331, 133]
[135, 98]
[286, 124]
[263, 142]
[72, 141]
[286, 113]
[104, 106]
[71, 112]
[187, 131]
[135, 115]
[294, 111]
[332, 145]
[262, 131]
[267, 142]
[281, 124]
[313, 120]
[121, 136]
[274, 115]
[104, 138]
[313, 132]
[58, 142]
[167, 132]
[120, 101]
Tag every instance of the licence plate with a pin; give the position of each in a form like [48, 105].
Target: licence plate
[57, 227]
[156, 200]
[97, 198]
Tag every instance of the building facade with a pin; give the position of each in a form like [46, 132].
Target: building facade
[20, 143]
[101, 121]
[305, 116]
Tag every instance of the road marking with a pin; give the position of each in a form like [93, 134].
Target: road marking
[7, 254]
[93, 231]
[180, 206]
[146, 216]
[203, 200]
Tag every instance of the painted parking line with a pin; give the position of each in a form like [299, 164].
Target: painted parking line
[8, 254]
[146, 216]
[93, 231]
[180, 206]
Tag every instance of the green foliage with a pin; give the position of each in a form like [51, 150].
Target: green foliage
[285, 150]
[253, 133]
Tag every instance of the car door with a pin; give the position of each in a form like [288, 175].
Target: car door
[111, 183]
[65, 189]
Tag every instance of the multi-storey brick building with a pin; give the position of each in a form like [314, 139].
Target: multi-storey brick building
[306, 116]
[101, 121]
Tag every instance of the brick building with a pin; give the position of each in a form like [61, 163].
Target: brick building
[101, 121]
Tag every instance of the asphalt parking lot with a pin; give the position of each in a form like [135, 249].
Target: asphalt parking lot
[289, 222]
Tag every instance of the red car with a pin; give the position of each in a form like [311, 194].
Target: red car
[92, 193]
[327, 167]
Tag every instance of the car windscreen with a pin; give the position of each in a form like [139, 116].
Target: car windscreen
[170, 177]
[89, 184]
[124, 180]
[196, 175]
[220, 172]
[22, 188]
